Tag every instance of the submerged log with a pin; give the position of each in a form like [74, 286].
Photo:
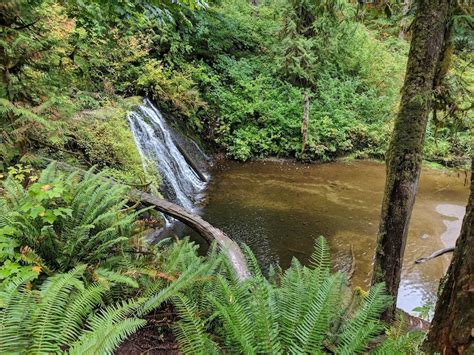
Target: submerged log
[434, 255]
[205, 229]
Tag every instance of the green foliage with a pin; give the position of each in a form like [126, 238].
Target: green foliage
[61, 314]
[177, 89]
[306, 309]
[68, 220]
[400, 341]
[254, 108]
[16, 264]
[104, 139]
[232, 72]
[92, 309]
[301, 56]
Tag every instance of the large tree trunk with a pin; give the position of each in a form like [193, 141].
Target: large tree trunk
[305, 123]
[404, 156]
[452, 328]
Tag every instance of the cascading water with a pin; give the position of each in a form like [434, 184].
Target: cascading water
[155, 143]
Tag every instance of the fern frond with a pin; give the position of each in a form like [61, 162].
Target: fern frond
[231, 303]
[49, 312]
[357, 331]
[106, 340]
[48, 174]
[105, 275]
[76, 312]
[314, 326]
[320, 258]
[15, 324]
[252, 262]
[190, 329]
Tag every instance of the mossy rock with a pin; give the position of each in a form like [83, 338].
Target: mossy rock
[105, 139]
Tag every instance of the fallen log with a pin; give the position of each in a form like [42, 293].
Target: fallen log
[210, 233]
[434, 255]
[205, 229]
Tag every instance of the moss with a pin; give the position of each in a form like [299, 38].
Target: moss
[105, 139]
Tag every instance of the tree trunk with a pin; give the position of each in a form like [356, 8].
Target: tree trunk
[404, 20]
[305, 122]
[452, 328]
[404, 156]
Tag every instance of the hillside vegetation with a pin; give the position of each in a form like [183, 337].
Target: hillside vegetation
[228, 70]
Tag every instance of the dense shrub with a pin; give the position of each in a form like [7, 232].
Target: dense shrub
[217, 70]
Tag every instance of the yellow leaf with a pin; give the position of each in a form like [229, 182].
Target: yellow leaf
[45, 187]
[36, 269]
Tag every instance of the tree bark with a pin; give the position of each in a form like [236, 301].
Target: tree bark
[452, 328]
[404, 156]
[305, 122]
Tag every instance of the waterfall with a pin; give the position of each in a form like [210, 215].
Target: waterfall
[156, 144]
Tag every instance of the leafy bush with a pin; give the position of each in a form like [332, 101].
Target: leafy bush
[253, 110]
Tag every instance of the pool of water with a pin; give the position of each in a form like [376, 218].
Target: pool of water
[279, 208]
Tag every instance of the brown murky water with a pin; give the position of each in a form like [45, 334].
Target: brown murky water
[279, 208]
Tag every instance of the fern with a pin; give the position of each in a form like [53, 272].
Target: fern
[321, 256]
[105, 341]
[94, 226]
[191, 329]
[16, 305]
[314, 327]
[108, 329]
[50, 309]
[79, 307]
[53, 318]
[107, 276]
[252, 262]
[231, 302]
[358, 331]
[301, 312]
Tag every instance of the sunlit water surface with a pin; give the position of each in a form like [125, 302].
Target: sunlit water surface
[279, 208]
